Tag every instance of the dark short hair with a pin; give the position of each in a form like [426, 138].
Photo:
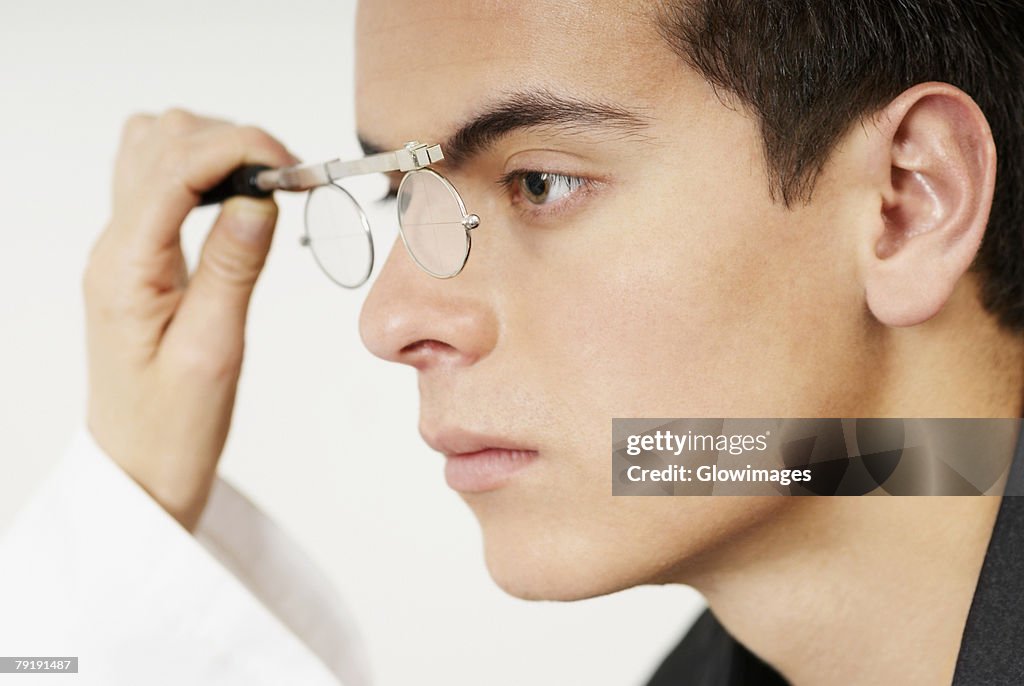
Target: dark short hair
[809, 69]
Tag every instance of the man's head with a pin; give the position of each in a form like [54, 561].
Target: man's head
[750, 209]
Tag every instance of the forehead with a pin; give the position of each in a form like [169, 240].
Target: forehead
[423, 66]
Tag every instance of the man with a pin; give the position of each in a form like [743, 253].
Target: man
[706, 208]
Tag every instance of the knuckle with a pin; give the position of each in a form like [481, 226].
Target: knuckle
[177, 120]
[248, 132]
[255, 137]
[232, 267]
[136, 127]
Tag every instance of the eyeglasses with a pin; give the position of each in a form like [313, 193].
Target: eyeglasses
[432, 217]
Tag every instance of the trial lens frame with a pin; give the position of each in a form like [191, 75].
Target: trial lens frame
[411, 157]
[261, 181]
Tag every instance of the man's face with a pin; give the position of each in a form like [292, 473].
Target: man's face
[667, 284]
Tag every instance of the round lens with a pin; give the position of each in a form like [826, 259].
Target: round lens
[430, 216]
[339, 234]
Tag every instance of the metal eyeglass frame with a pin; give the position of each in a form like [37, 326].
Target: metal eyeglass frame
[413, 156]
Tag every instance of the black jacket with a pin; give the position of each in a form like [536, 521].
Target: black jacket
[991, 651]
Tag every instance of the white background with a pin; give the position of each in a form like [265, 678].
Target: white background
[324, 436]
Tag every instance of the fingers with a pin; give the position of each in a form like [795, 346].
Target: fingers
[213, 309]
[166, 162]
[165, 351]
[211, 153]
[136, 277]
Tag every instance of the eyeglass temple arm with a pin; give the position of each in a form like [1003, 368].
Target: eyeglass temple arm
[260, 181]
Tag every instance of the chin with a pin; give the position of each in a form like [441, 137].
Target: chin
[571, 552]
[536, 575]
[559, 564]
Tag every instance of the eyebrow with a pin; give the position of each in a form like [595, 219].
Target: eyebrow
[529, 110]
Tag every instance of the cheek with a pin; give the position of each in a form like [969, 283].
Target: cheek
[725, 310]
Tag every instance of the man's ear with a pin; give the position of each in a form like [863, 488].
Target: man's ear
[935, 201]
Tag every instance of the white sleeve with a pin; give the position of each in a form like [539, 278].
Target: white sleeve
[93, 567]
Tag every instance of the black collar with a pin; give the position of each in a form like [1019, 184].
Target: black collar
[992, 649]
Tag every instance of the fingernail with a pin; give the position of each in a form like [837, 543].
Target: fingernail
[251, 220]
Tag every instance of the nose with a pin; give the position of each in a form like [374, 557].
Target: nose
[416, 319]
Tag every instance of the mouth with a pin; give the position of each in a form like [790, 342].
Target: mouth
[476, 463]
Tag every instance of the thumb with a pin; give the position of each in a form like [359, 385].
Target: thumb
[215, 303]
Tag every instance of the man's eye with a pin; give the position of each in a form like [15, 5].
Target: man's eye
[543, 188]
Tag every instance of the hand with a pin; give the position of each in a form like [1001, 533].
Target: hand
[165, 350]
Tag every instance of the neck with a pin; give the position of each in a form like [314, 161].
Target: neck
[877, 590]
[846, 589]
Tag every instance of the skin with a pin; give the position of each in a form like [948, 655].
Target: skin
[164, 347]
[673, 286]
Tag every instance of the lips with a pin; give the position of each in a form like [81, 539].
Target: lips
[476, 463]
